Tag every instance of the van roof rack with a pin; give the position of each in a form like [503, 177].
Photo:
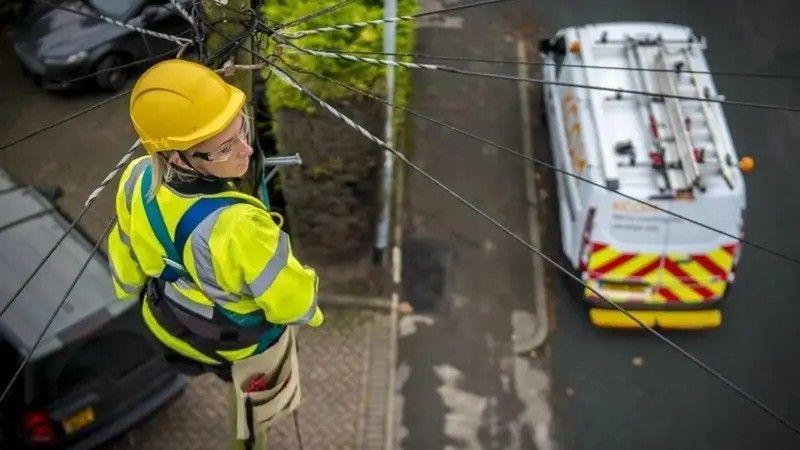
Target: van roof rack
[685, 134]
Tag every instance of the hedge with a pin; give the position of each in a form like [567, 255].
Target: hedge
[366, 77]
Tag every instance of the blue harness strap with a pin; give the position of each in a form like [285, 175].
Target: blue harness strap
[173, 262]
[174, 268]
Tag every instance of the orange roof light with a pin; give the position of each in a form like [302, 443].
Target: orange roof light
[575, 47]
[747, 164]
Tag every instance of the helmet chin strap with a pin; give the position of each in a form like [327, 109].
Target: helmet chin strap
[185, 159]
[191, 169]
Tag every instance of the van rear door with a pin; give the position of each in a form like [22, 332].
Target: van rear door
[642, 255]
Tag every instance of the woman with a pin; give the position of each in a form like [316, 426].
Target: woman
[221, 284]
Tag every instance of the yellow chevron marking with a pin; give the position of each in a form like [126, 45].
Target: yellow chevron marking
[601, 257]
[721, 258]
[696, 271]
[717, 287]
[629, 267]
[684, 293]
[662, 277]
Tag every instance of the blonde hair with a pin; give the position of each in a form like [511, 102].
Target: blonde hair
[164, 172]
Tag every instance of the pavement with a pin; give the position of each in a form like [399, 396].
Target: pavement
[344, 364]
[76, 155]
[459, 382]
[344, 374]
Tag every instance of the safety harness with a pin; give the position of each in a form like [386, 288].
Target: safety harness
[226, 330]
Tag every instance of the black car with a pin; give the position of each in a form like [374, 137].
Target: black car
[98, 370]
[57, 46]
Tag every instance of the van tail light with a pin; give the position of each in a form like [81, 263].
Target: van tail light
[38, 429]
[735, 250]
[586, 237]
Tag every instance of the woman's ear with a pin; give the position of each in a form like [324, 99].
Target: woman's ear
[173, 158]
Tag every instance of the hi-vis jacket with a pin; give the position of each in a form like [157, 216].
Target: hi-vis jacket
[239, 264]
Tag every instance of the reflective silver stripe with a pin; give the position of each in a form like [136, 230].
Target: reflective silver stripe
[308, 315]
[130, 183]
[126, 240]
[128, 288]
[274, 266]
[202, 260]
[185, 302]
[123, 237]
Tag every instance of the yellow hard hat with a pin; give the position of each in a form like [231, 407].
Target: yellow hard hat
[177, 104]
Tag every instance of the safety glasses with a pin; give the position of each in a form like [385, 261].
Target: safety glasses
[225, 151]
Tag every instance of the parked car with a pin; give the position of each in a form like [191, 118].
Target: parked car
[98, 370]
[675, 153]
[56, 46]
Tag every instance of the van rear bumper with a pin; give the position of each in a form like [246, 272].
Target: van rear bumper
[637, 295]
[670, 320]
[644, 305]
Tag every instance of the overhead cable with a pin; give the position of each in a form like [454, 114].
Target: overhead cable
[544, 164]
[66, 119]
[90, 200]
[293, 83]
[134, 63]
[584, 66]
[92, 197]
[168, 37]
[315, 14]
[55, 314]
[288, 79]
[98, 104]
[366, 23]
[616, 91]
[182, 11]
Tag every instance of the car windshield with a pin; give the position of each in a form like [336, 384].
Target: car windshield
[115, 8]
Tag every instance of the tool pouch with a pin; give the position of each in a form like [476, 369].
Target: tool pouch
[282, 395]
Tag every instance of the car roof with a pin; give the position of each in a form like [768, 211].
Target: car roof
[29, 226]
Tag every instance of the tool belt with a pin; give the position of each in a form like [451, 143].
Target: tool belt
[207, 336]
[256, 411]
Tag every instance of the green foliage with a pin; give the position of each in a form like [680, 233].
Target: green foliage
[364, 76]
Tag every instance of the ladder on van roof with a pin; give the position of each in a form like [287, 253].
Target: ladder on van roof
[685, 134]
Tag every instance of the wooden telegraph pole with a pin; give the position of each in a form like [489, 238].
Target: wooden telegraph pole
[231, 19]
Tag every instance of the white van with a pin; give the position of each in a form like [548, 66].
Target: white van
[677, 154]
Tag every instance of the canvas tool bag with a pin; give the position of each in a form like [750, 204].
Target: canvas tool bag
[282, 395]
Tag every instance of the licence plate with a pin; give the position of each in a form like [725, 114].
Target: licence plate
[79, 420]
[632, 288]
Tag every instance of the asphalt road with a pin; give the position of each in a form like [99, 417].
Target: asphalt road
[459, 383]
[76, 155]
[601, 398]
